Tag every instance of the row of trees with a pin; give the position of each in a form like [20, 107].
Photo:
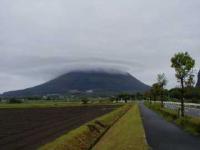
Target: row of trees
[183, 64]
[191, 94]
[126, 97]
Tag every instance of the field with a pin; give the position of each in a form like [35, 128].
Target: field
[95, 126]
[29, 128]
[40, 104]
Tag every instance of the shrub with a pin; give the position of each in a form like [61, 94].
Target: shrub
[85, 101]
[190, 124]
[15, 101]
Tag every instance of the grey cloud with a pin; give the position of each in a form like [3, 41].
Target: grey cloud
[42, 39]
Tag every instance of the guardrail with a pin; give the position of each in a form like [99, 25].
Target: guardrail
[190, 105]
[191, 109]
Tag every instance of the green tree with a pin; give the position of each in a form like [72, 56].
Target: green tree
[155, 91]
[112, 98]
[162, 82]
[147, 95]
[175, 93]
[139, 96]
[124, 96]
[183, 64]
[85, 101]
[190, 81]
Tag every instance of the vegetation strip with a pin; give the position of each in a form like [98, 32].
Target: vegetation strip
[36, 104]
[97, 140]
[128, 133]
[85, 136]
[188, 123]
[47, 105]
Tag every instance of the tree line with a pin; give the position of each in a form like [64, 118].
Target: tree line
[183, 64]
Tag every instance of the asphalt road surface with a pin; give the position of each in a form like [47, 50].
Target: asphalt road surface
[162, 135]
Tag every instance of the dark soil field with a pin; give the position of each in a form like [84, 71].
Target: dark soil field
[30, 128]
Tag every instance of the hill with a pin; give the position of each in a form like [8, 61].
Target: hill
[84, 82]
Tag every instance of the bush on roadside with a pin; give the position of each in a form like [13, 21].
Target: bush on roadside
[190, 124]
[15, 101]
[85, 101]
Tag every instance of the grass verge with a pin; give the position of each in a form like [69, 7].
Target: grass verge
[188, 123]
[86, 135]
[126, 134]
[39, 104]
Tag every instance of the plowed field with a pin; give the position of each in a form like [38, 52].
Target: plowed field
[30, 128]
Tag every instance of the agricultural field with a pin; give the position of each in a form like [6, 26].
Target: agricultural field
[29, 128]
[76, 126]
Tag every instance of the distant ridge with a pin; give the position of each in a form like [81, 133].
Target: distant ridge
[96, 82]
[198, 80]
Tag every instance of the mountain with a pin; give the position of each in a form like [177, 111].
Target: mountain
[85, 82]
[198, 80]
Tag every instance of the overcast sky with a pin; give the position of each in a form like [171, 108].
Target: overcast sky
[41, 39]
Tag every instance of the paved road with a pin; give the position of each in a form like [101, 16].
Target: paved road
[162, 135]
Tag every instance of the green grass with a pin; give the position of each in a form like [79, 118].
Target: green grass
[86, 135]
[126, 134]
[39, 104]
[188, 123]
[168, 114]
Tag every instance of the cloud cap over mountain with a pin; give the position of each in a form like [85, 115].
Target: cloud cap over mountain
[42, 39]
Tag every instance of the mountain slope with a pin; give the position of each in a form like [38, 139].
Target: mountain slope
[85, 81]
